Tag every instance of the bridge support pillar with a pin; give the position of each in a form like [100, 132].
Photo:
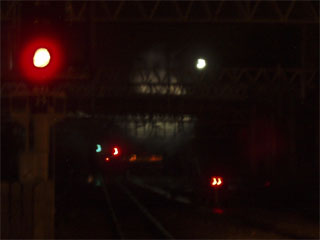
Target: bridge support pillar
[32, 197]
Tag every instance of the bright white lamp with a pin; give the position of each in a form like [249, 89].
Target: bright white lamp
[41, 58]
[201, 63]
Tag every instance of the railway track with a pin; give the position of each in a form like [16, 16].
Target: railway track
[130, 218]
[202, 221]
[123, 210]
[108, 211]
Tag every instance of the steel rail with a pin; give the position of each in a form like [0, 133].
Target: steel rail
[111, 208]
[146, 213]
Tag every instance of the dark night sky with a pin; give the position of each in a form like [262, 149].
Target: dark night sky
[228, 45]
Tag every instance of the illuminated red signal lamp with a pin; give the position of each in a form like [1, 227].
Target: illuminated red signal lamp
[107, 159]
[41, 59]
[216, 181]
[116, 151]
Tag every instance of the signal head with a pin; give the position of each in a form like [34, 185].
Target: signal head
[41, 60]
[116, 151]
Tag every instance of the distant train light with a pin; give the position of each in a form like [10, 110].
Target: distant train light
[155, 158]
[107, 159]
[90, 179]
[133, 158]
[98, 148]
[216, 181]
[115, 151]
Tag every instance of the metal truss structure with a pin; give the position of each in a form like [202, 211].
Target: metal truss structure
[295, 12]
[229, 85]
[227, 95]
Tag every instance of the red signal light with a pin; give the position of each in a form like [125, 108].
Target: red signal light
[267, 184]
[217, 210]
[41, 60]
[216, 181]
[115, 151]
[107, 159]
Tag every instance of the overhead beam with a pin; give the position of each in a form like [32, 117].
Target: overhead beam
[288, 12]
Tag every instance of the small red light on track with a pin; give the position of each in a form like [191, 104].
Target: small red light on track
[107, 159]
[219, 181]
[216, 181]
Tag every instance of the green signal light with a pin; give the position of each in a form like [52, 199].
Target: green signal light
[98, 148]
